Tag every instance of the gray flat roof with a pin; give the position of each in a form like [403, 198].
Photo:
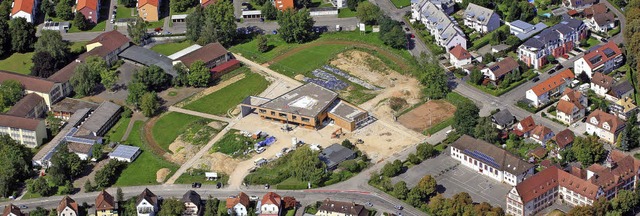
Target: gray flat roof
[149, 57]
[335, 154]
[70, 105]
[346, 111]
[307, 100]
[124, 151]
[47, 150]
[99, 117]
[536, 28]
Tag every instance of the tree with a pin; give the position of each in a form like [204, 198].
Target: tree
[135, 90]
[601, 206]
[64, 9]
[488, 58]
[181, 79]
[512, 40]
[199, 74]
[306, 166]
[347, 144]
[119, 195]
[295, 26]
[194, 24]
[67, 188]
[149, 104]
[289, 202]
[588, 150]
[219, 24]
[138, 30]
[551, 59]
[23, 34]
[171, 207]
[11, 91]
[435, 81]
[303, 3]
[425, 151]
[40, 186]
[392, 169]
[476, 76]
[400, 190]
[96, 152]
[182, 5]
[39, 211]
[88, 187]
[153, 78]
[353, 4]
[263, 46]
[625, 201]
[54, 123]
[269, 11]
[109, 78]
[87, 74]
[629, 138]
[53, 212]
[498, 37]
[426, 186]
[5, 37]
[81, 22]
[107, 176]
[44, 65]
[395, 38]
[465, 118]
[48, 8]
[65, 165]
[368, 13]
[128, 3]
[581, 210]
[211, 207]
[485, 130]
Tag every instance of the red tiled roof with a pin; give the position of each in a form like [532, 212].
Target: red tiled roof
[271, 198]
[206, 54]
[91, 4]
[599, 8]
[600, 53]
[553, 82]
[67, 202]
[242, 198]
[564, 138]
[111, 40]
[602, 80]
[29, 82]
[155, 3]
[541, 131]
[104, 201]
[539, 152]
[527, 125]
[283, 4]
[22, 5]
[11, 209]
[19, 122]
[570, 99]
[622, 168]
[602, 117]
[224, 66]
[503, 67]
[460, 53]
[205, 3]
[572, 12]
[551, 178]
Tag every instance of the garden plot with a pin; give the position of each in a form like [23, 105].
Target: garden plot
[427, 115]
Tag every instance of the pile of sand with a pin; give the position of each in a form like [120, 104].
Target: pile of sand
[299, 77]
[162, 174]
[215, 125]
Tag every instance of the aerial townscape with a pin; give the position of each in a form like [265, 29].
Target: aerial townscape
[319, 107]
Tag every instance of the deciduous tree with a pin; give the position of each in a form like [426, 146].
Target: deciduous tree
[153, 78]
[65, 166]
[295, 26]
[40, 186]
[219, 24]
[149, 104]
[23, 34]
[435, 81]
[171, 207]
[137, 31]
[465, 118]
[425, 151]
[39, 211]
[64, 9]
[135, 90]
[199, 75]
[44, 65]
[368, 13]
[5, 36]
[109, 78]
[588, 150]
[11, 91]
[87, 75]
[81, 22]
[400, 190]
[476, 76]
[108, 175]
[485, 130]
[306, 166]
[263, 46]
[211, 207]
[269, 11]
[194, 23]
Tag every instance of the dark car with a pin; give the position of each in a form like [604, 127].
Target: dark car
[604, 40]
[196, 185]
[219, 185]
[552, 71]
[402, 23]
[536, 79]
[407, 29]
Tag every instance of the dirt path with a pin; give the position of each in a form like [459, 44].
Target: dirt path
[393, 57]
[137, 116]
[148, 136]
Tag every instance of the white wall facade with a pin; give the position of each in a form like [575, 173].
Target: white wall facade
[67, 212]
[601, 133]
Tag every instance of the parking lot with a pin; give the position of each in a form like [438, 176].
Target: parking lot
[457, 179]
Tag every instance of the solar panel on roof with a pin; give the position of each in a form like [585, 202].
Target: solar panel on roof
[485, 158]
[495, 68]
[609, 52]
[595, 59]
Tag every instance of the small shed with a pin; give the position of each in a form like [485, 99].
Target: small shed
[179, 18]
[125, 153]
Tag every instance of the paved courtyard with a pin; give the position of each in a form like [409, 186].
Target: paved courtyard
[457, 179]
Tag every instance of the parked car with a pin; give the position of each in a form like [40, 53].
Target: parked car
[407, 29]
[253, 197]
[23, 206]
[260, 150]
[219, 185]
[196, 185]
[604, 40]
[552, 71]
[399, 207]
[535, 79]
[113, 21]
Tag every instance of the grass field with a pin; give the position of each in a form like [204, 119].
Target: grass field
[117, 131]
[171, 48]
[219, 102]
[143, 170]
[307, 60]
[346, 12]
[250, 49]
[124, 12]
[187, 178]
[592, 42]
[170, 126]
[96, 28]
[401, 3]
[232, 144]
[18, 62]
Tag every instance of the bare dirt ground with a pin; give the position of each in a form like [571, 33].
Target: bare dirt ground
[427, 115]
[162, 174]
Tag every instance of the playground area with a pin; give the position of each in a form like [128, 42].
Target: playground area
[426, 115]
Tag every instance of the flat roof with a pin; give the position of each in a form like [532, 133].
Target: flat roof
[70, 105]
[179, 16]
[124, 151]
[184, 51]
[252, 12]
[47, 150]
[307, 100]
[346, 111]
[99, 117]
[149, 57]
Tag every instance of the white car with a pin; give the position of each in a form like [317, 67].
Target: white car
[260, 150]
[253, 198]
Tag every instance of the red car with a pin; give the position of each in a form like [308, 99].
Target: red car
[413, 36]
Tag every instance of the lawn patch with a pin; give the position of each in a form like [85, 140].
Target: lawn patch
[250, 49]
[221, 101]
[170, 126]
[117, 131]
[345, 13]
[401, 3]
[143, 170]
[17, 62]
[171, 48]
[306, 60]
[233, 144]
[124, 12]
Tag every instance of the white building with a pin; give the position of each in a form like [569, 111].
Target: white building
[459, 57]
[601, 84]
[604, 59]
[490, 160]
[147, 203]
[571, 107]
[271, 204]
[554, 41]
[26, 131]
[604, 125]
[481, 19]
[238, 205]
[67, 207]
[601, 22]
[543, 92]
[125, 153]
[26, 9]
[441, 26]
[192, 203]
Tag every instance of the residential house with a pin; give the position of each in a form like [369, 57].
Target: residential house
[283, 4]
[577, 4]
[29, 132]
[147, 203]
[554, 41]
[459, 57]
[604, 125]
[603, 59]
[503, 119]
[446, 6]
[271, 204]
[619, 90]
[30, 106]
[498, 70]
[599, 8]
[538, 153]
[67, 207]
[192, 203]
[89, 8]
[524, 30]
[490, 160]
[563, 140]
[106, 205]
[50, 91]
[11, 210]
[623, 108]
[571, 107]
[601, 23]
[574, 187]
[441, 26]
[601, 84]
[149, 10]
[481, 19]
[27, 9]
[238, 205]
[545, 91]
[541, 134]
[336, 154]
[336, 208]
[524, 127]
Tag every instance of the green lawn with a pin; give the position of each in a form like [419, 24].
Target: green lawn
[188, 178]
[307, 60]
[171, 48]
[117, 131]
[233, 144]
[438, 127]
[156, 24]
[346, 12]
[96, 28]
[484, 40]
[17, 62]
[143, 170]
[250, 49]
[401, 3]
[170, 126]
[124, 12]
[219, 102]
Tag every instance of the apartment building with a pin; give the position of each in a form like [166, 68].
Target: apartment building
[603, 59]
[545, 91]
[441, 26]
[29, 132]
[571, 107]
[554, 41]
[481, 19]
[604, 125]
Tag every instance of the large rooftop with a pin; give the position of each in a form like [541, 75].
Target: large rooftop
[99, 118]
[307, 100]
[124, 151]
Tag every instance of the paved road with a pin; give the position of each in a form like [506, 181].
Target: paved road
[416, 46]
[618, 39]
[200, 114]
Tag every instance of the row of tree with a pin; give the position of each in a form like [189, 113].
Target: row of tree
[215, 23]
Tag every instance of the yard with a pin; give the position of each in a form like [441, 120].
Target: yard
[143, 170]
[100, 26]
[233, 144]
[250, 49]
[346, 12]
[485, 39]
[171, 125]
[591, 42]
[171, 48]
[117, 131]
[401, 3]
[227, 98]
[124, 12]
[17, 62]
